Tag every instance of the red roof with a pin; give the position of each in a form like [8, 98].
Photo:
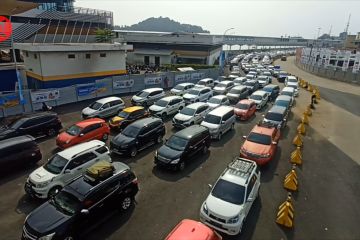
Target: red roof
[89, 121]
[191, 230]
[246, 101]
[263, 130]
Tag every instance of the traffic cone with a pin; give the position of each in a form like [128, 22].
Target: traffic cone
[310, 87]
[305, 119]
[301, 128]
[290, 181]
[285, 215]
[308, 110]
[296, 157]
[298, 142]
[305, 85]
[317, 94]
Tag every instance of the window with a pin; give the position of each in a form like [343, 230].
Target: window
[91, 128]
[35, 55]
[102, 150]
[250, 186]
[115, 103]
[103, 55]
[87, 55]
[71, 56]
[26, 53]
[80, 160]
[105, 106]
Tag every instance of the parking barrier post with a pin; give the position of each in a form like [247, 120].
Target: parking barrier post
[305, 119]
[285, 215]
[296, 156]
[301, 128]
[298, 142]
[308, 111]
[290, 181]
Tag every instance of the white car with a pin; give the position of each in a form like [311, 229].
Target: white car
[239, 81]
[288, 91]
[250, 77]
[263, 81]
[167, 106]
[206, 82]
[260, 98]
[191, 114]
[291, 81]
[198, 95]
[230, 200]
[102, 108]
[223, 87]
[64, 166]
[218, 100]
[147, 97]
[182, 88]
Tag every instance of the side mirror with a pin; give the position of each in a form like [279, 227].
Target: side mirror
[210, 186]
[250, 199]
[274, 143]
[222, 122]
[67, 171]
[81, 134]
[244, 137]
[84, 211]
[284, 119]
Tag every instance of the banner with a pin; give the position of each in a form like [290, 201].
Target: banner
[153, 80]
[197, 76]
[90, 89]
[126, 83]
[9, 100]
[44, 96]
[183, 77]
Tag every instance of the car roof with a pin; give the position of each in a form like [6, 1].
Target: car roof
[240, 78]
[89, 121]
[219, 96]
[288, 89]
[277, 109]
[221, 110]
[271, 86]
[191, 131]
[190, 230]
[132, 109]
[239, 87]
[262, 129]
[34, 115]
[145, 121]
[239, 171]
[251, 81]
[169, 98]
[205, 79]
[226, 81]
[246, 101]
[81, 147]
[292, 77]
[185, 84]
[16, 140]
[107, 99]
[283, 97]
[152, 89]
[196, 105]
[259, 92]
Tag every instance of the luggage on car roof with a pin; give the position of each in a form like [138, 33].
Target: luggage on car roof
[100, 171]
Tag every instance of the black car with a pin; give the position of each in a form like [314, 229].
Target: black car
[277, 115]
[252, 85]
[18, 152]
[182, 146]
[273, 91]
[138, 136]
[35, 125]
[82, 204]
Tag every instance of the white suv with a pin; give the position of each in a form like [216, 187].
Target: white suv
[260, 98]
[198, 95]
[167, 106]
[64, 166]
[102, 108]
[191, 114]
[147, 96]
[230, 200]
[182, 88]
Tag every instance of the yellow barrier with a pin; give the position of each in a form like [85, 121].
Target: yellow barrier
[290, 181]
[301, 128]
[285, 215]
[317, 94]
[308, 110]
[305, 118]
[298, 142]
[296, 157]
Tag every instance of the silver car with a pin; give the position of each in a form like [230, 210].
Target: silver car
[102, 108]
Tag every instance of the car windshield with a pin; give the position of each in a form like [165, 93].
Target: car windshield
[131, 131]
[188, 111]
[256, 97]
[287, 93]
[161, 103]
[267, 89]
[249, 76]
[274, 116]
[179, 87]
[242, 106]
[229, 192]
[249, 84]
[235, 91]
[17, 124]
[283, 73]
[282, 103]
[262, 78]
[292, 80]
[212, 119]
[215, 100]
[123, 114]
[66, 203]
[201, 83]
[74, 130]
[194, 92]
[176, 143]
[259, 138]
[142, 94]
[55, 164]
[95, 105]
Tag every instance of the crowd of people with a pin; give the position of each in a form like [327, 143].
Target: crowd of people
[141, 69]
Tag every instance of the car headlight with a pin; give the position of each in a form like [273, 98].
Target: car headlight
[176, 161]
[265, 155]
[43, 184]
[233, 220]
[47, 237]
[205, 209]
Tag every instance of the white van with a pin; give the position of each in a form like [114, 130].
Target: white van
[102, 108]
[219, 121]
[206, 82]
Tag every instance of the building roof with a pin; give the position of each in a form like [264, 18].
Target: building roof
[153, 51]
[72, 47]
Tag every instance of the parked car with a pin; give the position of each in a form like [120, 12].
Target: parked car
[284, 101]
[245, 109]
[237, 93]
[261, 143]
[81, 205]
[206, 82]
[182, 146]
[223, 87]
[283, 58]
[219, 121]
[138, 136]
[268, 74]
[198, 95]
[192, 230]
[18, 152]
[127, 116]
[239, 81]
[230, 200]
[167, 106]
[263, 81]
[289, 91]
[83, 131]
[282, 76]
[252, 85]
[250, 76]
[147, 96]
[291, 81]
[191, 114]
[277, 115]
[103, 108]
[273, 91]
[260, 98]
[218, 100]
[39, 124]
[182, 88]
[62, 167]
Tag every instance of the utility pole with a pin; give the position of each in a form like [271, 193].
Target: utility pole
[330, 30]
[347, 25]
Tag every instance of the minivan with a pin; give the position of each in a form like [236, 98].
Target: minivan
[102, 108]
[277, 116]
[147, 97]
[219, 121]
[206, 82]
[223, 87]
[18, 152]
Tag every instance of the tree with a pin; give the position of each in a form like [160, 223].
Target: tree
[104, 35]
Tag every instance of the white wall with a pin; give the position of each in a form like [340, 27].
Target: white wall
[32, 64]
[135, 58]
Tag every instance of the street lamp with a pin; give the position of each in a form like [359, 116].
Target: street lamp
[224, 37]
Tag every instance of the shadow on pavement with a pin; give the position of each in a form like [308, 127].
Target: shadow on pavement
[224, 139]
[269, 170]
[27, 204]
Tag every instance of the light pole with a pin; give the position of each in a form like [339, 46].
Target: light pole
[224, 39]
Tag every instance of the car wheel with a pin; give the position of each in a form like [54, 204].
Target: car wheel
[126, 203]
[219, 136]
[145, 104]
[181, 166]
[159, 139]
[55, 190]
[133, 152]
[197, 100]
[105, 137]
[163, 116]
[180, 108]
[51, 132]
[69, 238]
[205, 149]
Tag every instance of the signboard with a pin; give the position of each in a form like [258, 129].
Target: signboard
[90, 89]
[183, 77]
[9, 100]
[153, 80]
[44, 96]
[197, 76]
[125, 83]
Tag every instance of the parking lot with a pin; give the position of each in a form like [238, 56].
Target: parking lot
[326, 206]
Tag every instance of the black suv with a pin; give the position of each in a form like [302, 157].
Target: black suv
[273, 91]
[138, 136]
[35, 125]
[81, 205]
[183, 145]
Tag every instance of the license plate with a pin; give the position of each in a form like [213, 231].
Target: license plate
[215, 224]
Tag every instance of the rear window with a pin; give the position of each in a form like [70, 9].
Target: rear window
[274, 116]
[212, 119]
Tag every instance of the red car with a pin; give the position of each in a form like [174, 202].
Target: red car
[87, 130]
[261, 144]
[192, 230]
[245, 109]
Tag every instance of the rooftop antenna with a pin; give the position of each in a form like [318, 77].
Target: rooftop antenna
[330, 30]
[347, 25]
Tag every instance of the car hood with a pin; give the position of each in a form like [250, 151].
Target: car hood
[256, 101]
[64, 137]
[169, 153]
[209, 125]
[262, 81]
[189, 96]
[156, 108]
[46, 218]
[232, 95]
[293, 84]
[219, 88]
[256, 148]
[137, 98]
[117, 119]
[182, 117]
[222, 208]
[121, 139]
[175, 90]
[240, 111]
[7, 133]
[41, 175]
[88, 111]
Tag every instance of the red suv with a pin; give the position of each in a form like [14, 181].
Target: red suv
[261, 144]
[87, 130]
[245, 109]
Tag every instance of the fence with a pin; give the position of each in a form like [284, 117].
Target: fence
[116, 85]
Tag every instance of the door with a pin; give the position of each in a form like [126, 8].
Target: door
[105, 110]
[146, 60]
[157, 60]
[29, 127]
[115, 107]
[250, 193]
[90, 133]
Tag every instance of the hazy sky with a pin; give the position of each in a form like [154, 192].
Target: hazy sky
[258, 18]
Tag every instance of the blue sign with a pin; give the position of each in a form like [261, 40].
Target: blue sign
[90, 89]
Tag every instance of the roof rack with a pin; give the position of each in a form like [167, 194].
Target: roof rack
[241, 167]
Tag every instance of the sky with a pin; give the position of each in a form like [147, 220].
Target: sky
[273, 18]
